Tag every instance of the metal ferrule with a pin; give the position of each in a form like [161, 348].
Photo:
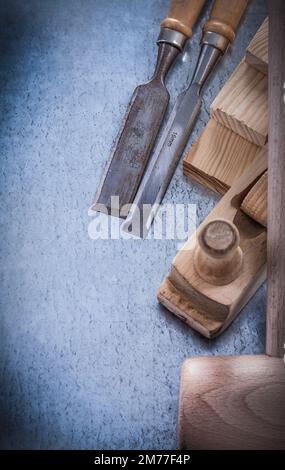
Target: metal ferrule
[215, 40]
[174, 38]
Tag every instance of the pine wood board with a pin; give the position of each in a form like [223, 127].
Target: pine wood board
[218, 157]
[242, 104]
[255, 203]
[257, 51]
[207, 308]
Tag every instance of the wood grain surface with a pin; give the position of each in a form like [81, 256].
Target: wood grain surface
[257, 51]
[242, 104]
[232, 403]
[276, 182]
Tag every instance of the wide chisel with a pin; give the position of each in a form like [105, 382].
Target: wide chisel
[238, 402]
[218, 32]
[145, 114]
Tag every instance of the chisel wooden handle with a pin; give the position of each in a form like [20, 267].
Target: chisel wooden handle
[225, 17]
[182, 15]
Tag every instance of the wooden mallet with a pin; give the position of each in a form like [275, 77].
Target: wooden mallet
[238, 402]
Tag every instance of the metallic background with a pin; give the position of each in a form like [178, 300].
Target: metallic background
[88, 359]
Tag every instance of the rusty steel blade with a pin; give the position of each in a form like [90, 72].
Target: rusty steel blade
[163, 162]
[136, 139]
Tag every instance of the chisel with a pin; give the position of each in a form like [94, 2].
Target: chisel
[218, 32]
[145, 114]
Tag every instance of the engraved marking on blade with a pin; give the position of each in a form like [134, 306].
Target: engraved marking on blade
[172, 138]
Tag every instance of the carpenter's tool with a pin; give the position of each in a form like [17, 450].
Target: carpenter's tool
[239, 402]
[219, 31]
[145, 114]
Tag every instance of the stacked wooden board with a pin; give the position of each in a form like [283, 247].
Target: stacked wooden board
[257, 51]
[239, 122]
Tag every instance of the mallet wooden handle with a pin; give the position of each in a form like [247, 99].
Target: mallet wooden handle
[225, 17]
[275, 329]
[182, 16]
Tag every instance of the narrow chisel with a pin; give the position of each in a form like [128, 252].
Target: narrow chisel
[145, 114]
[218, 32]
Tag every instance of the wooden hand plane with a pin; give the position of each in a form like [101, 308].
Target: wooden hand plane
[222, 265]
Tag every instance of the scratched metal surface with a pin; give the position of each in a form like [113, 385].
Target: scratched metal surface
[88, 359]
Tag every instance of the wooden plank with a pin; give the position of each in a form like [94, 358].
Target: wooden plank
[232, 403]
[255, 203]
[242, 104]
[218, 157]
[204, 306]
[257, 51]
[276, 182]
